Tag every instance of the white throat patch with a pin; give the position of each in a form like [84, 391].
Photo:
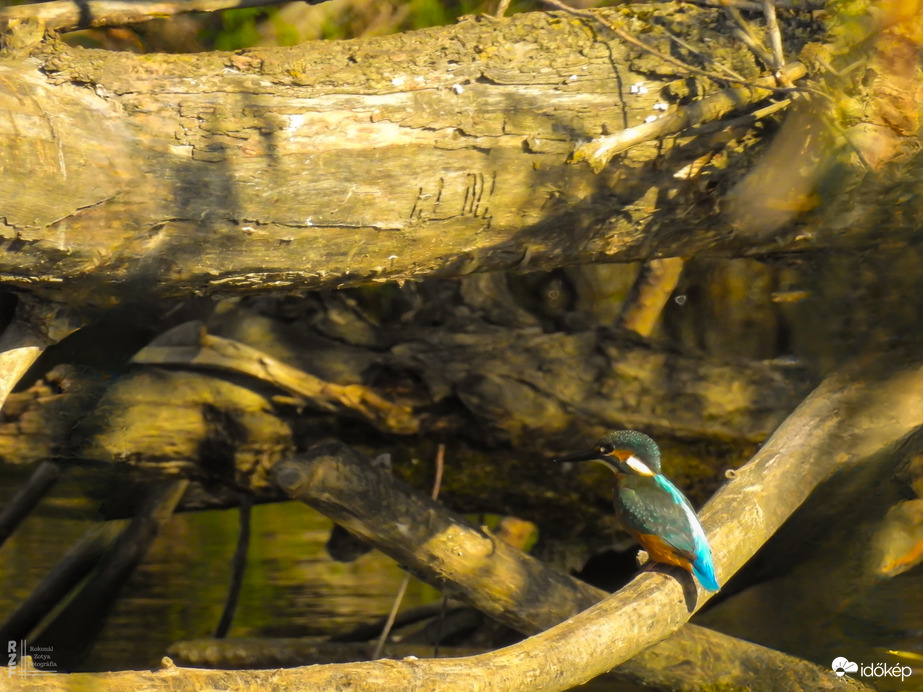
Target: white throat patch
[639, 466]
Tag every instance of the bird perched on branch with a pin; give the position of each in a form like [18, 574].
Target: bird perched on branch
[650, 507]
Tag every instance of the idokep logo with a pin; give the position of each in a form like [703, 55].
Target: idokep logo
[842, 665]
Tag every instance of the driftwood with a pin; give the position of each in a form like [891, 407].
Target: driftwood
[423, 675]
[186, 424]
[440, 152]
[190, 346]
[20, 346]
[531, 389]
[471, 564]
[519, 388]
[34, 326]
[848, 418]
[418, 532]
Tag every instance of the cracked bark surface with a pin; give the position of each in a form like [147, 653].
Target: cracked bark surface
[430, 153]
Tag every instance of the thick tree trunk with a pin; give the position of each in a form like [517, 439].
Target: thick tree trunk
[438, 152]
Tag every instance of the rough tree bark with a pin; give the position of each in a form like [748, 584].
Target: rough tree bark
[439, 152]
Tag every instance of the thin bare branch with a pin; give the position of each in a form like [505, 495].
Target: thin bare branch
[392, 615]
[736, 4]
[238, 566]
[704, 57]
[749, 6]
[775, 35]
[389, 623]
[601, 150]
[749, 38]
[744, 121]
[440, 466]
[625, 36]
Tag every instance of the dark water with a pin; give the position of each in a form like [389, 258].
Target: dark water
[291, 588]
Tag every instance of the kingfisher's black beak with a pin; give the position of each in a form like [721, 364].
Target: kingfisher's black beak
[588, 455]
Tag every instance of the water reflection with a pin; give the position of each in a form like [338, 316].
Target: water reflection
[291, 587]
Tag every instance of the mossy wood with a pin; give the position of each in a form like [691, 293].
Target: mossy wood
[438, 152]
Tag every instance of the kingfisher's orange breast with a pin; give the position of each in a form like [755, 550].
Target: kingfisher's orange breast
[661, 552]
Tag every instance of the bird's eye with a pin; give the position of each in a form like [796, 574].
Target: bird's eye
[605, 449]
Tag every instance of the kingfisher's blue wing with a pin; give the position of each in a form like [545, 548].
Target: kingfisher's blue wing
[659, 508]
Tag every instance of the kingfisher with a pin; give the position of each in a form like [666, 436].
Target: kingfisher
[653, 510]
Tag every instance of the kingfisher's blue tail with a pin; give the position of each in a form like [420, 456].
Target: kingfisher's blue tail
[702, 566]
[704, 571]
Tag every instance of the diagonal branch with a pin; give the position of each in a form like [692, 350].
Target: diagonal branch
[191, 346]
[746, 34]
[601, 150]
[629, 38]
